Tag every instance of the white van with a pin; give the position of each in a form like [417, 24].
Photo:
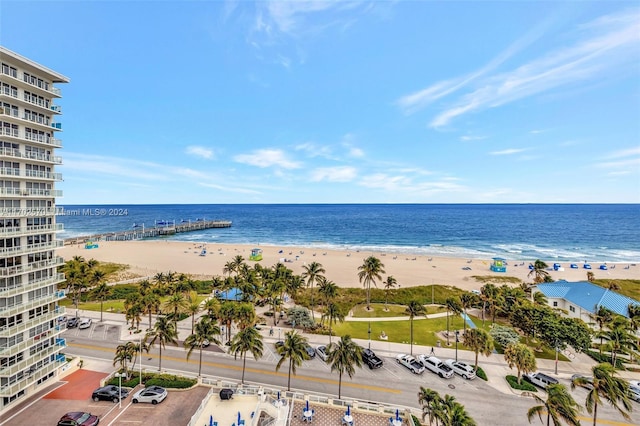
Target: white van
[541, 379]
[634, 390]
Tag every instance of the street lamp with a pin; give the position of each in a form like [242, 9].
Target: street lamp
[457, 340]
[369, 334]
[140, 355]
[279, 334]
[120, 376]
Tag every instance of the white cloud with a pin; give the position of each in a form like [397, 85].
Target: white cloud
[469, 138]
[267, 158]
[632, 162]
[625, 153]
[334, 174]
[200, 151]
[314, 150]
[510, 151]
[406, 184]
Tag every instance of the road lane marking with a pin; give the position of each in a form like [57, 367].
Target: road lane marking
[250, 369]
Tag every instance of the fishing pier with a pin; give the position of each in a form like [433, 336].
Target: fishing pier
[140, 232]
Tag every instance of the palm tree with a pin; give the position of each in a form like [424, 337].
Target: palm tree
[328, 289]
[343, 357]
[333, 314]
[123, 355]
[605, 386]
[178, 304]
[101, 292]
[414, 309]
[603, 317]
[429, 399]
[454, 307]
[370, 271]
[163, 332]
[539, 272]
[621, 341]
[490, 296]
[389, 284]
[452, 413]
[478, 341]
[294, 350]
[311, 273]
[150, 303]
[466, 301]
[205, 330]
[559, 405]
[520, 356]
[247, 340]
[193, 307]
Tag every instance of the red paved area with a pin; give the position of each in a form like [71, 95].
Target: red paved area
[78, 386]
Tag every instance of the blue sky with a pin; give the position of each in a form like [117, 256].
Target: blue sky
[341, 102]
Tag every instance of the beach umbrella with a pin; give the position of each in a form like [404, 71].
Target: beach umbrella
[211, 420]
[348, 410]
[238, 417]
[397, 414]
[307, 406]
[278, 395]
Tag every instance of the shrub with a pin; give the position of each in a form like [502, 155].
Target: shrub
[605, 358]
[169, 381]
[524, 385]
[416, 421]
[504, 335]
[300, 316]
[480, 373]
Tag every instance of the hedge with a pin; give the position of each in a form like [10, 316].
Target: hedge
[524, 385]
[480, 373]
[169, 381]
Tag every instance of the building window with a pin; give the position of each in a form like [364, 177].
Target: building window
[572, 309]
[555, 304]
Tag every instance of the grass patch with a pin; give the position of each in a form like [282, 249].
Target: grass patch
[524, 385]
[629, 288]
[481, 373]
[169, 381]
[114, 306]
[486, 279]
[360, 311]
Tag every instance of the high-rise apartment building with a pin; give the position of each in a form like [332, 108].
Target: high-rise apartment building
[30, 342]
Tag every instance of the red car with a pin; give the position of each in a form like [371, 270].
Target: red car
[78, 418]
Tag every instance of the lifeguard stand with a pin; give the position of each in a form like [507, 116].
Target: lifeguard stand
[498, 265]
[256, 254]
[90, 245]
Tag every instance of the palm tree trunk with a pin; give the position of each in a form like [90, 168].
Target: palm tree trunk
[340, 385]
[244, 364]
[464, 322]
[595, 413]
[330, 331]
[160, 360]
[448, 344]
[484, 308]
[200, 363]
[548, 417]
[368, 296]
[289, 379]
[411, 333]
[101, 310]
[149, 318]
[193, 320]
[313, 318]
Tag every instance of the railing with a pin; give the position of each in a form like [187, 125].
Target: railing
[56, 125]
[38, 156]
[11, 330]
[14, 368]
[10, 92]
[29, 248]
[31, 285]
[33, 266]
[56, 108]
[27, 211]
[9, 132]
[31, 192]
[21, 307]
[12, 112]
[25, 382]
[28, 230]
[34, 118]
[38, 174]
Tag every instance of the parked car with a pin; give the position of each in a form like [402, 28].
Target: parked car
[310, 351]
[322, 352]
[109, 393]
[371, 359]
[540, 379]
[461, 368]
[436, 366]
[634, 390]
[410, 363]
[152, 394]
[72, 322]
[589, 379]
[84, 323]
[78, 418]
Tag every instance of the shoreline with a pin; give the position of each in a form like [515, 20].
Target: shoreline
[149, 257]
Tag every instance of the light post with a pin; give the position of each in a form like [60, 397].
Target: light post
[140, 355]
[120, 376]
[457, 340]
[279, 334]
[369, 332]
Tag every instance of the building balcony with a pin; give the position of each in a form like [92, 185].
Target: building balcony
[30, 230]
[34, 156]
[37, 174]
[9, 112]
[10, 370]
[57, 126]
[30, 192]
[31, 285]
[37, 139]
[8, 331]
[10, 350]
[7, 91]
[31, 248]
[42, 86]
[21, 307]
[28, 380]
[27, 211]
[56, 109]
[11, 271]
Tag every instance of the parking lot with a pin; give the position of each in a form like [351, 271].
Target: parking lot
[97, 331]
[73, 393]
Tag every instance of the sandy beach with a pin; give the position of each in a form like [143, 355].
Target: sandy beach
[146, 258]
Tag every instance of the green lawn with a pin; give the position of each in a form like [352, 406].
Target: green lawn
[360, 311]
[116, 306]
[629, 288]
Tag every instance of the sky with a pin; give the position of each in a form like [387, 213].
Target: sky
[229, 102]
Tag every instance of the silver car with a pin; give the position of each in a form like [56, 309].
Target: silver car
[322, 352]
[152, 394]
[84, 323]
[461, 368]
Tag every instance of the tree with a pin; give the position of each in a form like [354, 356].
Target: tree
[454, 307]
[178, 304]
[466, 301]
[520, 356]
[247, 340]
[370, 271]
[539, 272]
[333, 314]
[343, 357]
[193, 307]
[102, 292]
[604, 386]
[150, 303]
[163, 332]
[389, 284]
[414, 309]
[328, 289]
[429, 400]
[559, 405]
[451, 413]
[603, 317]
[491, 297]
[312, 272]
[620, 340]
[293, 348]
[123, 355]
[205, 330]
[479, 341]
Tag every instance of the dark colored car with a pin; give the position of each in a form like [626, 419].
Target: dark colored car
[310, 351]
[72, 322]
[226, 393]
[78, 418]
[109, 393]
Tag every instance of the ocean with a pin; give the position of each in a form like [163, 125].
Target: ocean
[551, 232]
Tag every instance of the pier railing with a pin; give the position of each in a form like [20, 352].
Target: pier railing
[151, 232]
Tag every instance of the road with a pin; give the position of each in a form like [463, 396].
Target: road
[392, 384]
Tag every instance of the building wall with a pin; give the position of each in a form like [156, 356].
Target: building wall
[30, 341]
[569, 309]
